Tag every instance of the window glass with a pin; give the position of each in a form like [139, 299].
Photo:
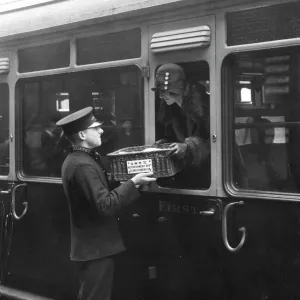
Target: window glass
[44, 57]
[115, 95]
[183, 117]
[262, 90]
[4, 129]
[109, 47]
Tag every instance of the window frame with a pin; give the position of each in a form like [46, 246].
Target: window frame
[227, 115]
[35, 178]
[71, 36]
[207, 54]
[102, 34]
[41, 46]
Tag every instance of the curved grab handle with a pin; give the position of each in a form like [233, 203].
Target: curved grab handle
[13, 196]
[224, 229]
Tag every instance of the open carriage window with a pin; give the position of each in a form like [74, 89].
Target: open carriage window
[4, 129]
[182, 118]
[262, 106]
[115, 94]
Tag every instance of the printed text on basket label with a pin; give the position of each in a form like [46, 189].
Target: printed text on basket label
[139, 166]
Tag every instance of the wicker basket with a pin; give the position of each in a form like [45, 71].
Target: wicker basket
[127, 162]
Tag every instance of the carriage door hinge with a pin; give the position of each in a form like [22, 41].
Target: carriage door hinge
[146, 72]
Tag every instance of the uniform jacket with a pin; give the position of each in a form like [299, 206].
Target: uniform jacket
[94, 228]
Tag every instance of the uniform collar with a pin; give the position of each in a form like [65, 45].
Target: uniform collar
[94, 154]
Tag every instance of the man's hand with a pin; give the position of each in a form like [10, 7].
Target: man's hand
[178, 150]
[143, 178]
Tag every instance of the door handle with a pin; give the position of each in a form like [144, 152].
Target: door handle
[13, 196]
[209, 212]
[5, 192]
[224, 229]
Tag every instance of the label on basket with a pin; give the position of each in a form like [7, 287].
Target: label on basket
[139, 166]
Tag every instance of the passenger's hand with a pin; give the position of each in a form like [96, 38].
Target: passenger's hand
[159, 142]
[178, 150]
[143, 178]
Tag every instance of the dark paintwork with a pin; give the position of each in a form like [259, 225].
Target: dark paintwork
[185, 248]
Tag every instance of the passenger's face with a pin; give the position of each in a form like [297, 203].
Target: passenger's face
[171, 97]
[93, 137]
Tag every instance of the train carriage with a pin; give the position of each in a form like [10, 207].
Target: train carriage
[231, 233]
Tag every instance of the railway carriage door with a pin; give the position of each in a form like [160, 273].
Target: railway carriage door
[187, 234]
[190, 43]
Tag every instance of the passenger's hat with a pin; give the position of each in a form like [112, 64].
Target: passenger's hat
[169, 77]
[79, 120]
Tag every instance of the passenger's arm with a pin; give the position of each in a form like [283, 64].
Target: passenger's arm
[194, 151]
[198, 150]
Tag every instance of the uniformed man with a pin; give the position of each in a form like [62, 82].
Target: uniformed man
[95, 237]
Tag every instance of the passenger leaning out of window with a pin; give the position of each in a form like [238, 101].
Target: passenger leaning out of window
[184, 113]
[94, 201]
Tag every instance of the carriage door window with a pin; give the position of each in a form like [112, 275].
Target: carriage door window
[263, 102]
[114, 93]
[183, 117]
[4, 129]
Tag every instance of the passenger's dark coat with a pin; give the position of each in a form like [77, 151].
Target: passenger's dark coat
[94, 228]
[190, 125]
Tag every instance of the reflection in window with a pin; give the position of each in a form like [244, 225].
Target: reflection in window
[266, 148]
[183, 117]
[115, 95]
[62, 102]
[245, 95]
[4, 129]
